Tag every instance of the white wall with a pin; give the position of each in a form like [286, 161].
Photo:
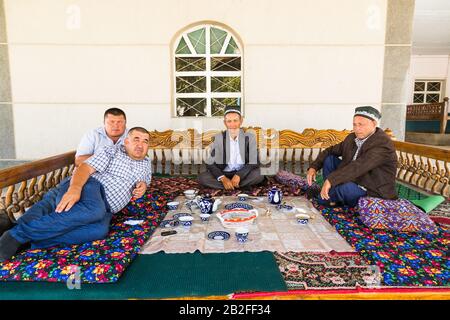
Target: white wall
[435, 67]
[307, 63]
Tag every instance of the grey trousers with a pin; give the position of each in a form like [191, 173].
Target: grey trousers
[206, 179]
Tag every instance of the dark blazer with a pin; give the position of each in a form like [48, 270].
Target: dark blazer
[374, 168]
[219, 158]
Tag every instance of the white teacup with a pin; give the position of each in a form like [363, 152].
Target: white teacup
[242, 234]
[190, 194]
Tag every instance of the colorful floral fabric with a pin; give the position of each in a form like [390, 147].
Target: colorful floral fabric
[400, 215]
[98, 261]
[405, 259]
[105, 260]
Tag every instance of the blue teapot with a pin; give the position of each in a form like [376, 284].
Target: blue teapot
[207, 204]
[275, 195]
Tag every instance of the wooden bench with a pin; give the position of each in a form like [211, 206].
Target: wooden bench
[184, 153]
[429, 112]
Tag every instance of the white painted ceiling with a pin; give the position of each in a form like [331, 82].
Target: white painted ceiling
[431, 27]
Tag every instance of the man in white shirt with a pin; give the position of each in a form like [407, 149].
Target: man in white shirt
[112, 133]
[234, 159]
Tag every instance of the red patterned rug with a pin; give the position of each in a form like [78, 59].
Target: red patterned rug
[323, 271]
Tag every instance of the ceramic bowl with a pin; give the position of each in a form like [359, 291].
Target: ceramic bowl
[242, 234]
[302, 218]
[186, 221]
[173, 205]
[190, 194]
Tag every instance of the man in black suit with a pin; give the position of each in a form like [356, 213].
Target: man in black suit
[234, 161]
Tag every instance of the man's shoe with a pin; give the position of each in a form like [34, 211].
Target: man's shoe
[323, 202]
[5, 223]
[8, 246]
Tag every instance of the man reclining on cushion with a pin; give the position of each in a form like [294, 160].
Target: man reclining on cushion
[368, 164]
[79, 210]
[234, 156]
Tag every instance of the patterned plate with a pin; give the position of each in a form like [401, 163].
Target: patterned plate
[219, 235]
[183, 214]
[169, 223]
[238, 205]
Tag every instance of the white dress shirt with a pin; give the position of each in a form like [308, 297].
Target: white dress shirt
[235, 163]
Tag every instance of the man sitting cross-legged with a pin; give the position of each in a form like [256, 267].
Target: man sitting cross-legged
[80, 208]
[368, 165]
[234, 161]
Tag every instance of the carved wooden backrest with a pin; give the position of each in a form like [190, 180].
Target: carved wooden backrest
[183, 152]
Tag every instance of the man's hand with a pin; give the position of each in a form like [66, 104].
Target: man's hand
[140, 189]
[227, 184]
[71, 197]
[325, 189]
[311, 176]
[235, 181]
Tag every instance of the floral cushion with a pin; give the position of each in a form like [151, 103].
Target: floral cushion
[400, 215]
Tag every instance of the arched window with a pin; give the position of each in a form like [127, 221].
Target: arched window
[207, 71]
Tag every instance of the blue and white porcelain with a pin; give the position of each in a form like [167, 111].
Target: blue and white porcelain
[242, 234]
[182, 214]
[285, 208]
[242, 197]
[173, 205]
[302, 218]
[204, 217]
[218, 235]
[207, 204]
[169, 223]
[238, 205]
[275, 195]
[186, 221]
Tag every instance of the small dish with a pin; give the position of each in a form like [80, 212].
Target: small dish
[182, 214]
[168, 223]
[285, 208]
[219, 235]
[204, 217]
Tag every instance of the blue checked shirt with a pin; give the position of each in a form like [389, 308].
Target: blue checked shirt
[119, 174]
